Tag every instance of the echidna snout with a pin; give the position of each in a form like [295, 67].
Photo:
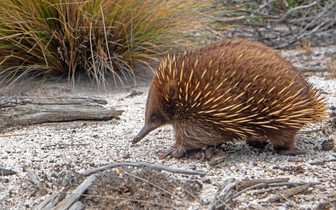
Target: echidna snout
[143, 132]
[231, 90]
[148, 127]
[154, 116]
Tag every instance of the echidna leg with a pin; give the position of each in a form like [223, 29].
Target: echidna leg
[285, 144]
[259, 142]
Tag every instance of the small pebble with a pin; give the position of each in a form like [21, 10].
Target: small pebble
[328, 145]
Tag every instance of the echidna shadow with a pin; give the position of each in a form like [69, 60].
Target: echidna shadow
[227, 91]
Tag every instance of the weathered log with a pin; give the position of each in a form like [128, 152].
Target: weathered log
[23, 111]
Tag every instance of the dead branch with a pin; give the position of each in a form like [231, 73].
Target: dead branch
[23, 111]
[36, 181]
[6, 172]
[296, 8]
[148, 165]
[280, 25]
[248, 183]
[289, 192]
[226, 192]
[52, 201]
[76, 194]
[270, 183]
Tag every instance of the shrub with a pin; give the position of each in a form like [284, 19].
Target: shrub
[97, 38]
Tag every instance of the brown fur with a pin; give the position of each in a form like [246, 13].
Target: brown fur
[230, 90]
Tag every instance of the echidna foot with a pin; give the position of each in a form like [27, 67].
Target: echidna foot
[257, 144]
[205, 153]
[177, 152]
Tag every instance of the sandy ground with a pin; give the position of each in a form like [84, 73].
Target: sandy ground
[50, 149]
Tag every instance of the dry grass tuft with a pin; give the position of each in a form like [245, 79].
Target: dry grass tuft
[98, 38]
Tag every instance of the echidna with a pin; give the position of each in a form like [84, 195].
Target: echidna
[230, 90]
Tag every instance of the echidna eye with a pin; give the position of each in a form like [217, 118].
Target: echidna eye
[154, 118]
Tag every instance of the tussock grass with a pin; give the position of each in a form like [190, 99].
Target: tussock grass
[96, 38]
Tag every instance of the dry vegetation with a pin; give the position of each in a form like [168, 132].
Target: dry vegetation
[280, 24]
[139, 189]
[98, 39]
[103, 39]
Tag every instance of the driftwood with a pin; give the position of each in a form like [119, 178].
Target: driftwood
[23, 111]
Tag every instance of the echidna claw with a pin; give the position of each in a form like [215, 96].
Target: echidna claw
[174, 153]
[166, 154]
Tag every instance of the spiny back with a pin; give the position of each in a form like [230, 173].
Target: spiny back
[237, 85]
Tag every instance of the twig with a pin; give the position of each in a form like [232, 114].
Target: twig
[322, 162]
[5, 172]
[289, 192]
[296, 8]
[52, 200]
[35, 180]
[263, 185]
[307, 20]
[293, 183]
[313, 69]
[225, 192]
[264, 5]
[248, 183]
[149, 165]
[62, 145]
[228, 190]
[240, 192]
[265, 190]
[291, 202]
